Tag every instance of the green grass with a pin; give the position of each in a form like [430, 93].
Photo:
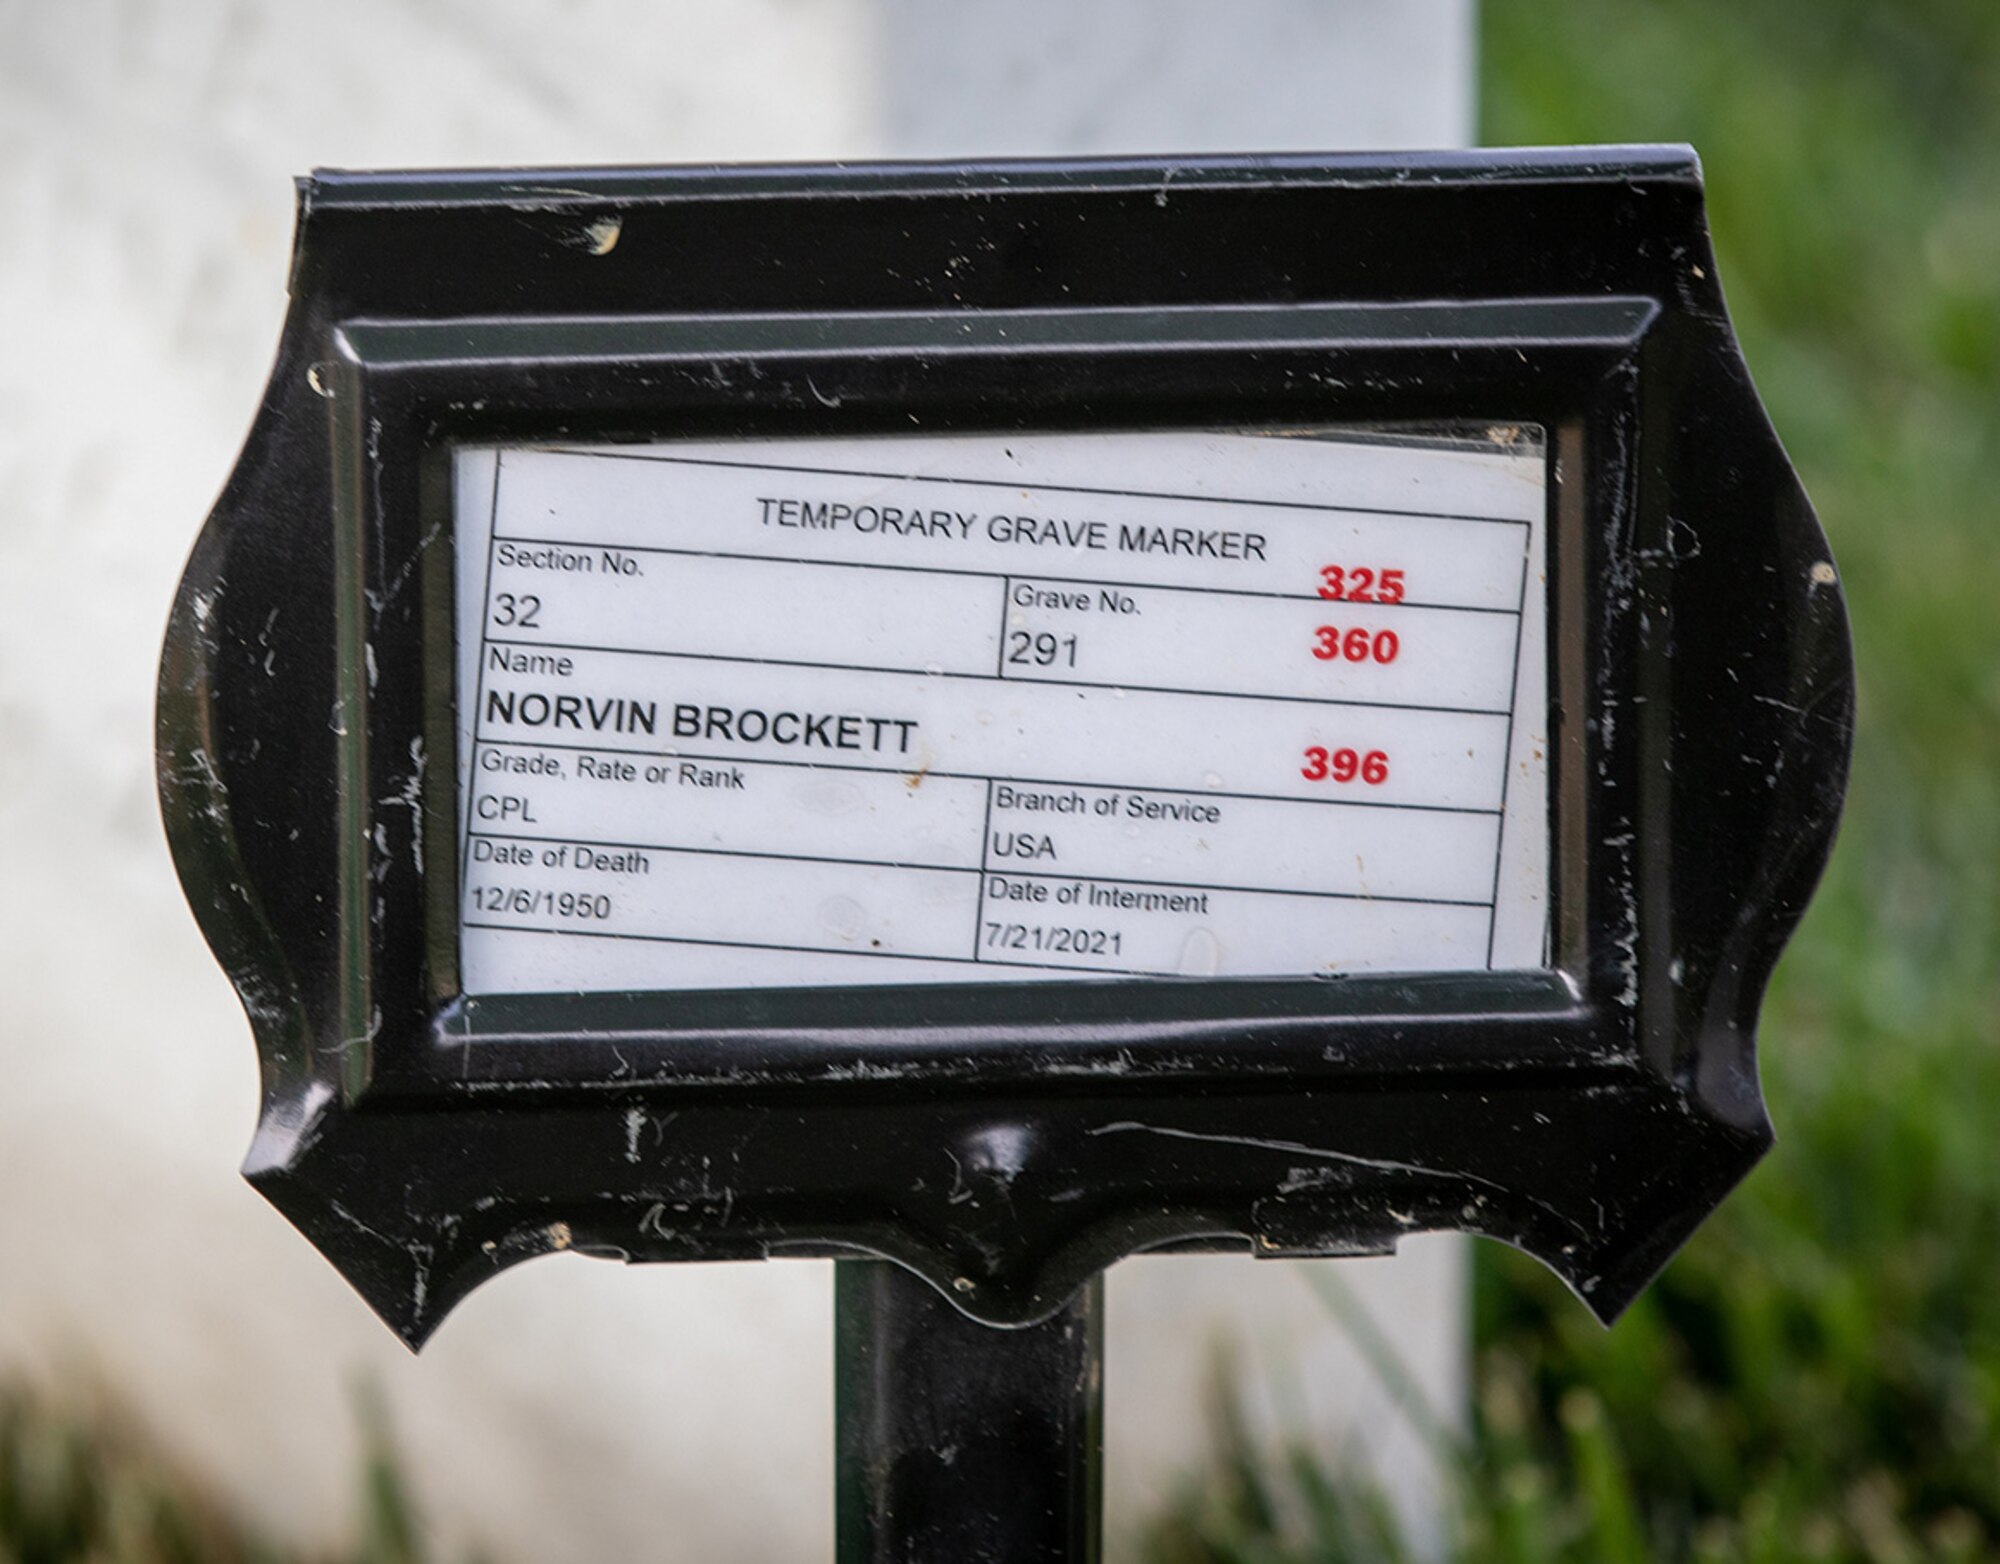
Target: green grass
[1818, 1375]
[81, 1484]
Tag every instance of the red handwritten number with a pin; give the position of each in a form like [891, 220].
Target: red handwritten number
[1357, 645]
[1344, 765]
[1360, 584]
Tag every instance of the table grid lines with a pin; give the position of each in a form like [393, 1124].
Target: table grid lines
[980, 776]
[983, 869]
[1231, 502]
[993, 678]
[1150, 861]
[806, 950]
[994, 575]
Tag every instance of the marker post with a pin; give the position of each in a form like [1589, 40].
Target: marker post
[955, 1440]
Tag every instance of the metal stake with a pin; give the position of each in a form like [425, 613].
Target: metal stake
[960, 1443]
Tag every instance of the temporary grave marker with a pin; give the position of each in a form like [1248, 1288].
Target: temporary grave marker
[996, 717]
[979, 709]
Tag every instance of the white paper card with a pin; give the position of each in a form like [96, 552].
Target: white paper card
[1001, 709]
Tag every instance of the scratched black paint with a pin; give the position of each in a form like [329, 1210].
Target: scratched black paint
[1007, 1142]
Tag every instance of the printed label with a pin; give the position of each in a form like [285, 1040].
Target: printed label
[978, 709]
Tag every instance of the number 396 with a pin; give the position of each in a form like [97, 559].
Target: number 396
[1345, 765]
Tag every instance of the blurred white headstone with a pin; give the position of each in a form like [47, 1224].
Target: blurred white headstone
[572, 1410]
[1049, 77]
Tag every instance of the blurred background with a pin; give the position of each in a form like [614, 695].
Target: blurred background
[1816, 1377]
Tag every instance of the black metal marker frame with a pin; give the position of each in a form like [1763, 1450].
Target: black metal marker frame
[1007, 1141]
